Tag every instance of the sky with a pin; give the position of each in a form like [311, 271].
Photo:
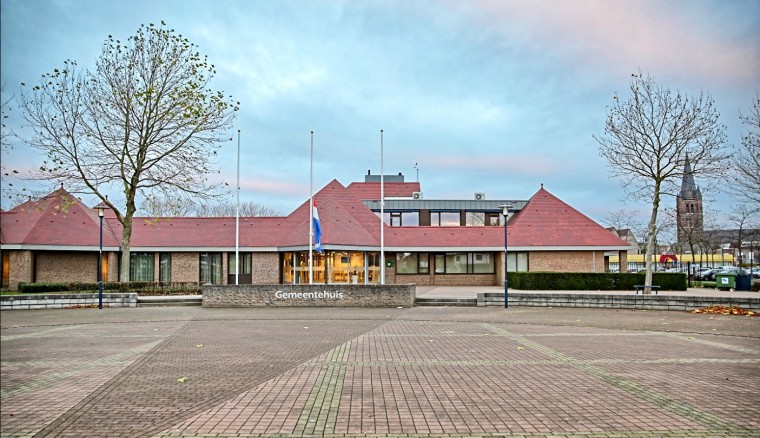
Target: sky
[487, 96]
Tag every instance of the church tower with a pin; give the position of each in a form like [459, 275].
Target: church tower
[689, 210]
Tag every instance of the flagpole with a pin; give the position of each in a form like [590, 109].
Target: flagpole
[237, 217]
[311, 210]
[382, 214]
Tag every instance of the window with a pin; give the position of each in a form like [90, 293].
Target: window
[406, 263]
[210, 268]
[444, 218]
[482, 263]
[494, 219]
[412, 263]
[456, 263]
[464, 263]
[141, 266]
[165, 267]
[245, 263]
[475, 219]
[517, 262]
[401, 218]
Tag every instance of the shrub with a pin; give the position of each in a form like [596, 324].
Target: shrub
[592, 281]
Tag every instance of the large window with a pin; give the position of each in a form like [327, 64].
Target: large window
[444, 218]
[412, 263]
[245, 263]
[475, 219]
[464, 263]
[141, 266]
[244, 274]
[401, 218]
[517, 262]
[211, 268]
[165, 267]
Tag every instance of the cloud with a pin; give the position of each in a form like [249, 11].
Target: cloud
[657, 36]
[516, 165]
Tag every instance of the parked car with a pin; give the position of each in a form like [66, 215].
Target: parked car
[733, 270]
[756, 272]
[706, 274]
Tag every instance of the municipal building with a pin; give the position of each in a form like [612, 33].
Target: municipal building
[426, 241]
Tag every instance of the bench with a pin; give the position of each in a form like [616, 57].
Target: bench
[642, 288]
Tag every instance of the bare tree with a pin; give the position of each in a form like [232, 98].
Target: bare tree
[6, 185]
[648, 137]
[621, 219]
[143, 121]
[228, 209]
[744, 218]
[158, 207]
[747, 160]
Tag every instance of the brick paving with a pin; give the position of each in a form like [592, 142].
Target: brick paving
[419, 372]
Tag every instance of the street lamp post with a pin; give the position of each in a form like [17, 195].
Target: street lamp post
[505, 211]
[100, 208]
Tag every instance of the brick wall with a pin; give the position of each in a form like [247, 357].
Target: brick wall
[112, 258]
[56, 267]
[290, 295]
[185, 266]
[63, 301]
[266, 268]
[19, 269]
[566, 261]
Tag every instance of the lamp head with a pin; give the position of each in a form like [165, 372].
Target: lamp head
[101, 209]
[505, 209]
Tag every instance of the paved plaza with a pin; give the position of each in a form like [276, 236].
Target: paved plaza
[416, 372]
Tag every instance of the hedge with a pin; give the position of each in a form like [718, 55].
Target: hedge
[135, 286]
[592, 281]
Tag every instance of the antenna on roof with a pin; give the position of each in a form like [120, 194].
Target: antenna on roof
[417, 168]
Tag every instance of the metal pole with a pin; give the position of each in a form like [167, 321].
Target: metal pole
[506, 283]
[311, 210]
[100, 263]
[505, 212]
[382, 214]
[237, 217]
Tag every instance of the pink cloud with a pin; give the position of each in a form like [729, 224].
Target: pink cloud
[524, 165]
[658, 37]
[274, 187]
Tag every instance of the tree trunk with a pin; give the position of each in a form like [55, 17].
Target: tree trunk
[652, 229]
[126, 238]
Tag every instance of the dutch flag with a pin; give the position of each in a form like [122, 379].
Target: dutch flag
[317, 230]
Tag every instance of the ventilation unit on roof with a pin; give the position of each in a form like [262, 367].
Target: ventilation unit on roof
[417, 195]
[480, 196]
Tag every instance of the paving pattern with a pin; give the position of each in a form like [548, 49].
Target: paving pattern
[420, 372]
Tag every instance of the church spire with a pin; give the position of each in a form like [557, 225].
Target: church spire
[689, 189]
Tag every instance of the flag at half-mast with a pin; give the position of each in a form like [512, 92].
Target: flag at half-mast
[317, 229]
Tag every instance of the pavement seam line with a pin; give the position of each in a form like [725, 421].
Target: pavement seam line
[320, 413]
[51, 379]
[33, 334]
[650, 395]
[713, 343]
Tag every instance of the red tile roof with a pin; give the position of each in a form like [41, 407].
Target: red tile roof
[62, 220]
[549, 222]
[57, 219]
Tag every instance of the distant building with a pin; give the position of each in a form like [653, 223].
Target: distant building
[689, 214]
[627, 235]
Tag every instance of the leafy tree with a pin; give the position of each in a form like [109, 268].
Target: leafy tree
[747, 160]
[144, 122]
[648, 137]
